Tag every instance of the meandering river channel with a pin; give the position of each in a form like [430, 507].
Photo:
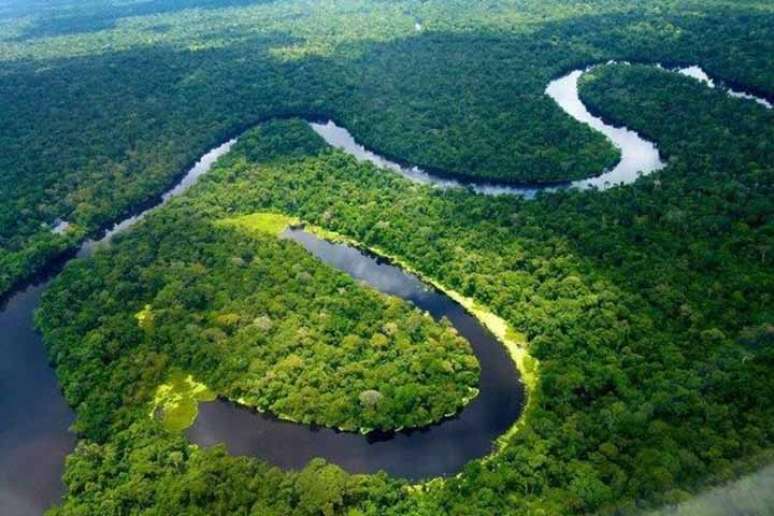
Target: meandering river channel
[34, 417]
[439, 449]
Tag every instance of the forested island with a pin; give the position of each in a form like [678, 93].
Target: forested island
[644, 312]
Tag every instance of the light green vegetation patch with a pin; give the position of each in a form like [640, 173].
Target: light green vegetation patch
[145, 318]
[513, 340]
[604, 359]
[644, 304]
[275, 223]
[391, 335]
[518, 349]
[260, 320]
[263, 222]
[176, 402]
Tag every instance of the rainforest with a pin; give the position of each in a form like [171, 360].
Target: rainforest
[369, 257]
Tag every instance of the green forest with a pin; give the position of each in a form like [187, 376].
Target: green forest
[255, 319]
[649, 307]
[463, 97]
[630, 367]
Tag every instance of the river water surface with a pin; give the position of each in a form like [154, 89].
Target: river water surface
[34, 416]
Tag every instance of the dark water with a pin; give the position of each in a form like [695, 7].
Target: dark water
[34, 416]
[440, 449]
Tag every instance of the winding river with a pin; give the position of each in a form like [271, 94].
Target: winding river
[439, 449]
[34, 418]
[638, 156]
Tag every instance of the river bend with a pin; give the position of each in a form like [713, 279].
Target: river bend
[435, 450]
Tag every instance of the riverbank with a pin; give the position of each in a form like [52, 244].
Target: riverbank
[513, 341]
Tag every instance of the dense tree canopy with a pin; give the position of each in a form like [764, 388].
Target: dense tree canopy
[464, 96]
[648, 306]
[640, 349]
[256, 319]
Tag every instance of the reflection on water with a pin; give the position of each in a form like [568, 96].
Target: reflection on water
[33, 415]
[197, 170]
[697, 73]
[340, 138]
[638, 156]
[700, 75]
